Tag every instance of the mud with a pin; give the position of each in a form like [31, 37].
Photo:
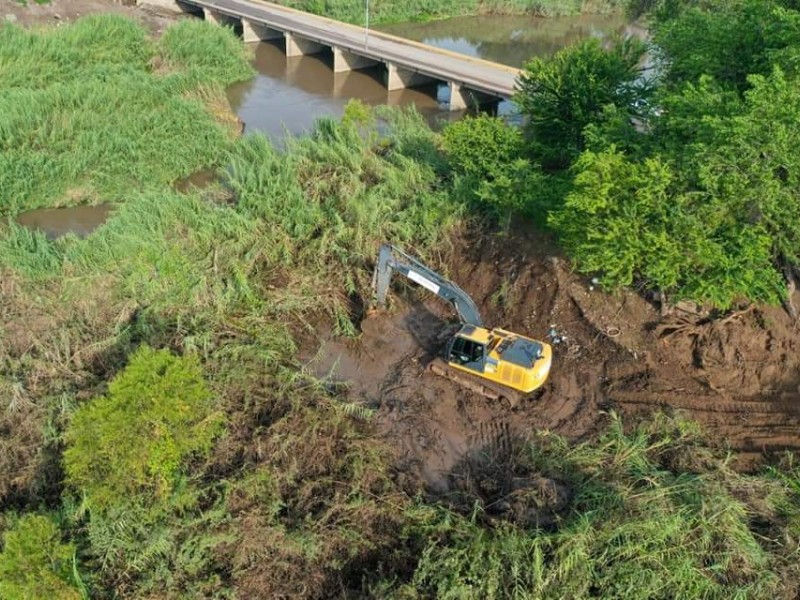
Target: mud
[196, 181]
[737, 374]
[55, 12]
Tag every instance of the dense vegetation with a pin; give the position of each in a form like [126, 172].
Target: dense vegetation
[82, 120]
[682, 179]
[157, 437]
[386, 11]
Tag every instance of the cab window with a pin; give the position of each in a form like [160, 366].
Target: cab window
[465, 351]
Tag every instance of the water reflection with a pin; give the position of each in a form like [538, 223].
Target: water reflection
[289, 94]
[55, 222]
[510, 40]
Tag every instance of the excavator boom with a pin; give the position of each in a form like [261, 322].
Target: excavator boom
[393, 259]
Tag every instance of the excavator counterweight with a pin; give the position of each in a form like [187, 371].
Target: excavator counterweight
[496, 363]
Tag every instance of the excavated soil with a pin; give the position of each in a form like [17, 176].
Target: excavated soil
[52, 13]
[736, 374]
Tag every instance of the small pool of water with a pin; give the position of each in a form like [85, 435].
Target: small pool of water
[56, 222]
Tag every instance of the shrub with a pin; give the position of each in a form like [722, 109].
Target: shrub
[487, 152]
[136, 439]
[478, 146]
[35, 564]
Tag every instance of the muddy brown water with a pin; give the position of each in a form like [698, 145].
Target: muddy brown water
[289, 94]
[55, 222]
[198, 180]
[82, 220]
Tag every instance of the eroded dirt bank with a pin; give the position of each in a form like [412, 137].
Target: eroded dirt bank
[56, 12]
[737, 376]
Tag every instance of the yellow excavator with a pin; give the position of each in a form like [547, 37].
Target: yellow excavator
[496, 363]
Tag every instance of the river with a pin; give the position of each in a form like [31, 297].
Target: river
[289, 94]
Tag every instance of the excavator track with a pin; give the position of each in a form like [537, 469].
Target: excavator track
[477, 384]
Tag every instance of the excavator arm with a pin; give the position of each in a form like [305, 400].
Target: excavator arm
[392, 259]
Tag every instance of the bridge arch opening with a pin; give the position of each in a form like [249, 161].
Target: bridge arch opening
[187, 8]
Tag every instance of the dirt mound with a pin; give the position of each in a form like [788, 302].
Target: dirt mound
[738, 376]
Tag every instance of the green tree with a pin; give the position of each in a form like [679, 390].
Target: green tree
[487, 153]
[666, 9]
[751, 162]
[635, 221]
[35, 564]
[157, 413]
[560, 96]
[739, 152]
[687, 117]
[728, 41]
[618, 216]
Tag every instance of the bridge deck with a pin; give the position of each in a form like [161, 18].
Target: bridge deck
[476, 74]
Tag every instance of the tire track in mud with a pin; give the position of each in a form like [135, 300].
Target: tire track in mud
[697, 404]
[495, 436]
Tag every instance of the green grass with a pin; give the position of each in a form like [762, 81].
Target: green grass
[206, 52]
[331, 199]
[29, 252]
[386, 11]
[228, 283]
[95, 111]
[653, 515]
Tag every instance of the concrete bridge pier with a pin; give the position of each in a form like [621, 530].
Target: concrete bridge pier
[398, 78]
[462, 98]
[256, 32]
[344, 61]
[300, 46]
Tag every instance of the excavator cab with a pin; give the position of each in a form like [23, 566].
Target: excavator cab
[468, 348]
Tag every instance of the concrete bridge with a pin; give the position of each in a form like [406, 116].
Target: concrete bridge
[472, 82]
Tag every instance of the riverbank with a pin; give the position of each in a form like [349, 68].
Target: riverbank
[387, 11]
[384, 12]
